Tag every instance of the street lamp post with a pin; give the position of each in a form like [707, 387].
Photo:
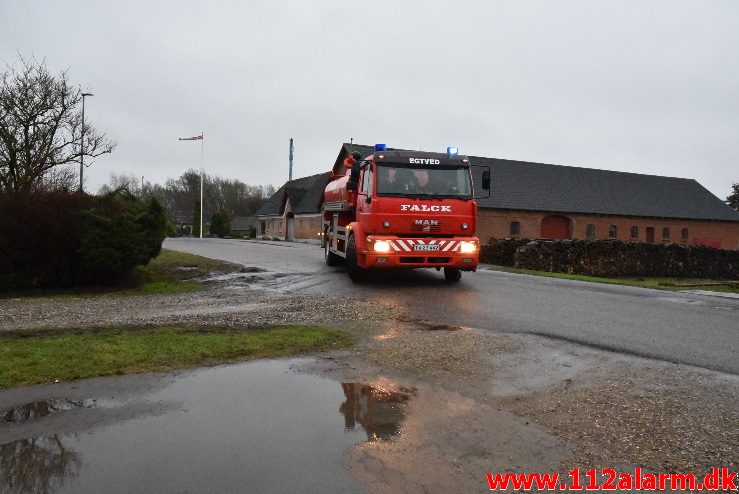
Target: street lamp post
[202, 173]
[82, 140]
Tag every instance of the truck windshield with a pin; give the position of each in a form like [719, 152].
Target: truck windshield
[403, 181]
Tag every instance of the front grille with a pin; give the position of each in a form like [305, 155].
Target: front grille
[411, 260]
[426, 228]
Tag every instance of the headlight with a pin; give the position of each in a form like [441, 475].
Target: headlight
[381, 246]
[466, 247]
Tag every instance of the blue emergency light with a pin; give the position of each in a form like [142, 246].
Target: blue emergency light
[452, 150]
[380, 147]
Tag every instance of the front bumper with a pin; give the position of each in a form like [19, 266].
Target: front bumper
[421, 253]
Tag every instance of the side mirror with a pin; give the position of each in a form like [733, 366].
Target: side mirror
[486, 180]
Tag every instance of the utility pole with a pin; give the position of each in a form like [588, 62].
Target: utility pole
[290, 176]
[82, 140]
[202, 173]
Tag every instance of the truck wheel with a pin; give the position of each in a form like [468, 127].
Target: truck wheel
[355, 272]
[331, 258]
[452, 274]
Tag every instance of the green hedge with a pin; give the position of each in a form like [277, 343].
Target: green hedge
[59, 240]
[614, 258]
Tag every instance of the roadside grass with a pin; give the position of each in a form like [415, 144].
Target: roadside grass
[167, 273]
[659, 283]
[42, 356]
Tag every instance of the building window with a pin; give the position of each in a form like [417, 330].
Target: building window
[634, 232]
[684, 234]
[515, 228]
[612, 231]
[590, 232]
[666, 233]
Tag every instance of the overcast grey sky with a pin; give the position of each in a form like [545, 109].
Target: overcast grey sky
[640, 86]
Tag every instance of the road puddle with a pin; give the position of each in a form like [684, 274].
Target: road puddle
[429, 325]
[37, 465]
[441, 327]
[378, 409]
[257, 427]
[32, 411]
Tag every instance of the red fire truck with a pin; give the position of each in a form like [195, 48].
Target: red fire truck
[402, 209]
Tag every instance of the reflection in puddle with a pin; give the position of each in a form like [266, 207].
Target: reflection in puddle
[235, 428]
[377, 409]
[31, 411]
[38, 465]
[393, 332]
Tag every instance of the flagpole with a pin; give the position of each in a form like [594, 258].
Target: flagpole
[202, 172]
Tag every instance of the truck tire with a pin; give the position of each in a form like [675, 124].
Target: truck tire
[331, 258]
[355, 272]
[452, 274]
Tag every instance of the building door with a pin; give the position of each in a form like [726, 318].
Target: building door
[650, 234]
[555, 227]
[290, 234]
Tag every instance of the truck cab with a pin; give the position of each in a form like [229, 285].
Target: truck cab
[403, 209]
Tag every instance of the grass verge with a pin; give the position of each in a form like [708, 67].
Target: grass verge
[32, 357]
[675, 284]
[167, 273]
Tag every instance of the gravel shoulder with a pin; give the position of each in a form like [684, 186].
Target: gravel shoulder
[482, 401]
[514, 403]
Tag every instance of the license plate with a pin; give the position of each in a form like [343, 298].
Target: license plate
[425, 247]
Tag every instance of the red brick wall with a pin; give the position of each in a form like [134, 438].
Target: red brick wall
[493, 223]
[308, 226]
[274, 227]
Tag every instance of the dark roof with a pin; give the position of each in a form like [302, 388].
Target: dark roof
[305, 196]
[239, 223]
[529, 186]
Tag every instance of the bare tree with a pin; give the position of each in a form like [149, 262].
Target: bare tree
[127, 181]
[60, 178]
[40, 125]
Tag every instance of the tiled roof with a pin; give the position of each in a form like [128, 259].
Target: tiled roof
[304, 193]
[527, 186]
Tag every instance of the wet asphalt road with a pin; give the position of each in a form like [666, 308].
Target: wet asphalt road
[685, 328]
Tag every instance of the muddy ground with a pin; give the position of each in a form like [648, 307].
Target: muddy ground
[471, 401]
[511, 403]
